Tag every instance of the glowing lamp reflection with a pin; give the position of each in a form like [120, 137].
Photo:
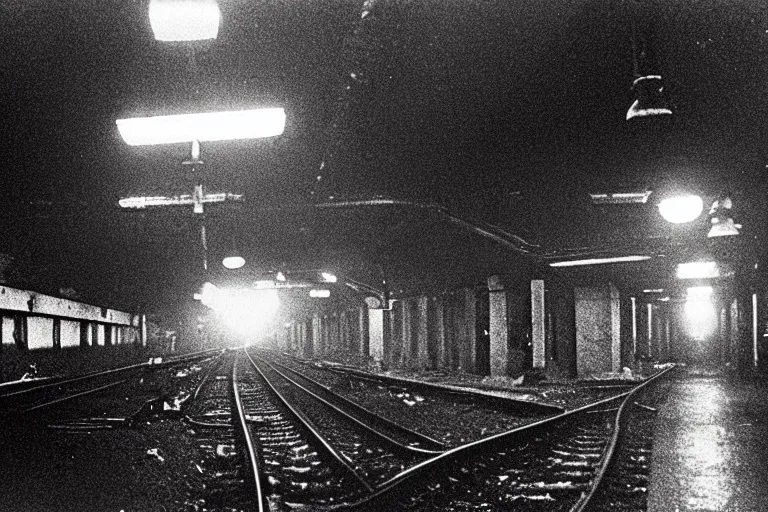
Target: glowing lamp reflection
[681, 209]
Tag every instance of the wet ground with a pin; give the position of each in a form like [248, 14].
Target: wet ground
[711, 447]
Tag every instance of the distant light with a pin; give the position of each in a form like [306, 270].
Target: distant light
[700, 314]
[328, 278]
[280, 276]
[621, 198]
[654, 290]
[664, 299]
[698, 270]
[241, 124]
[320, 294]
[233, 262]
[184, 20]
[681, 209]
[599, 261]
[698, 293]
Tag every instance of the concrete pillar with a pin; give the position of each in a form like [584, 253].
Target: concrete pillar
[468, 342]
[392, 357]
[436, 333]
[538, 330]
[598, 347]
[499, 333]
[364, 336]
[615, 329]
[376, 321]
[406, 335]
[317, 336]
[565, 333]
[421, 332]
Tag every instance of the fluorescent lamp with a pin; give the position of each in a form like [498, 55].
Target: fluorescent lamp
[681, 209]
[320, 294]
[184, 20]
[328, 278]
[598, 261]
[241, 124]
[654, 290]
[698, 270]
[182, 200]
[621, 198]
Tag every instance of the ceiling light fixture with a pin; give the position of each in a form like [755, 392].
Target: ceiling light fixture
[621, 198]
[210, 126]
[698, 270]
[184, 20]
[599, 261]
[681, 209]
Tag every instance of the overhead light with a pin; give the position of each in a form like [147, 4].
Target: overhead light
[328, 278]
[621, 198]
[233, 261]
[280, 276]
[650, 100]
[184, 20]
[654, 290]
[241, 124]
[319, 294]
[681, 209]
[181, 200]
[599, 261]
[698, 270]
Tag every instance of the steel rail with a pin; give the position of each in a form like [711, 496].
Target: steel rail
[607, 459]
[76, 395]
[249, 444]
[438, 446]
[385, 489]
[307, 424]
[94, 375]
[501, 401]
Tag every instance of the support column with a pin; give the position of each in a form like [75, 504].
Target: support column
[469, 341]
[436, 333]
[317, 341]
[421, 333]
[499, 332]
[393, 356]
[405, 350]
[538, 330]
[598, 347]
[376, 321]
[364, 334]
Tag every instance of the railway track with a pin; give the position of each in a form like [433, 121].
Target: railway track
[560, 463]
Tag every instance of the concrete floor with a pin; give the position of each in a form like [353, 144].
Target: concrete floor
[711, 447]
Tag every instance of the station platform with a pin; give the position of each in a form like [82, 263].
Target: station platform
[711, 446]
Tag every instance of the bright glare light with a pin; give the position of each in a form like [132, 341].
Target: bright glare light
[328, 278]
[244, 310]
[233, 262]
[681, 209]
[700, 314]
[698, 270]
[184, 20]
[280, 276]
[320, 294]
[598, 261]
[264, 284]
[242, 124]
